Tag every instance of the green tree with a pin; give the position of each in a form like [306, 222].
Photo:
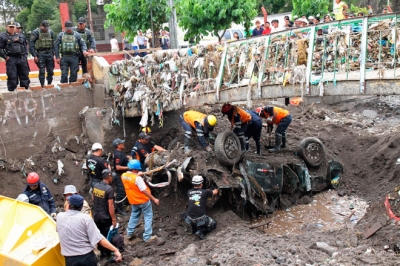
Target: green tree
[22, 16]
[311, 7]
[274, 6]
[23, 3]
[80, 8]
[132, 15]
[40, 10]
[199, 17]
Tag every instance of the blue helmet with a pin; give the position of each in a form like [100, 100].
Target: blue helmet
[134, 165]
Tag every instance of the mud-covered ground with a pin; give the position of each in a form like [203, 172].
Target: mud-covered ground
[363, 134]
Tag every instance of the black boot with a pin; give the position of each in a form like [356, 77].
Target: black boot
[278, 142]
[283, 140]
[242, 143]
[186, 141]
[258, 146]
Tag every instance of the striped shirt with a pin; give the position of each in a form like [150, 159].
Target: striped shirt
[78, 233]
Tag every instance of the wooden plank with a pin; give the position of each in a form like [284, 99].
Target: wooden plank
[372, 230]
[125, 51]
[267, 222]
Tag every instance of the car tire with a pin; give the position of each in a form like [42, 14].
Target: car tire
[312, 151]
[173, 144]
[227, 148]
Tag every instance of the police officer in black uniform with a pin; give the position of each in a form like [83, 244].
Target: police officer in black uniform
[103, 208]
[41, 48]
[13, 49]
[88, 38]
[18, 28]
[96, 164]
[69, 44]
[120, 167]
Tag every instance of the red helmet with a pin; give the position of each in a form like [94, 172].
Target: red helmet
[32, 179]
[226, 108]
[258, 110]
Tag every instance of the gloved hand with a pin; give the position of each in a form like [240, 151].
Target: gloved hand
[269, 119]
[53, 215]
[209, 149]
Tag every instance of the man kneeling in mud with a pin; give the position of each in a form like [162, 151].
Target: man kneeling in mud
[195, 214]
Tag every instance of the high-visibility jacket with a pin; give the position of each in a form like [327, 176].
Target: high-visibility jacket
[133, 193]
[245, 117]
[279, 114]
[193, 116]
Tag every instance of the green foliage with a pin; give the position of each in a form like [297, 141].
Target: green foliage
[80, 8]
[22, 16]
[311, 7]
[23, 3]
[274, 6]
[199, 17]
[132, 15]
[355, 10]
[40, 10]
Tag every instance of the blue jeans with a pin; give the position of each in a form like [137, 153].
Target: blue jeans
[147, 210]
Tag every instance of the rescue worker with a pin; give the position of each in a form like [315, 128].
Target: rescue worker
[69, 44]
[70, 190]
[195, 214]
[202, 123]
[139, 196]
[96, 164]
[240, 119]
[143, 147]
[88, 38]
[39, 194]
[41, 48]
[254, 130]
[14, 51]
[120, 167]
[276, 116]
[103, 208]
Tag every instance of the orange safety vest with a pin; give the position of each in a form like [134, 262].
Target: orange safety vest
[279, 114]
[193, 116]
[134, 195]
[245, 117]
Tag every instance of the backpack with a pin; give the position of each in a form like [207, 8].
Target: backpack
[118, 242]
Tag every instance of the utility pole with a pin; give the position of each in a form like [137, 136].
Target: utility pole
[173, 34]
[90, 16]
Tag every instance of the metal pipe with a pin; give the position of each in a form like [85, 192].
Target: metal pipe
[263, 64]
[363, 55]
[310, 59]
[162, 184]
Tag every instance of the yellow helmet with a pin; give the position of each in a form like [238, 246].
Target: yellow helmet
[146, 130]
[211, 120]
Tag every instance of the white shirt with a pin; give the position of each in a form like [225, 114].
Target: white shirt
[114, 44]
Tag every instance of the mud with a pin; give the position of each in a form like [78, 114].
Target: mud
[367, 145]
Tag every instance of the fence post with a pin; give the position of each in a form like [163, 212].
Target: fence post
[310, 58]
[221, 71]
[363, 57]
[263, 64]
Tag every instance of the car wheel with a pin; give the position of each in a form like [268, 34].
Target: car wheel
[173, 144]
[312, 151]
[227, 148]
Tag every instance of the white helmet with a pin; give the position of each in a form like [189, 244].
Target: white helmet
[197, 180]
[23, 198]
[96, 146]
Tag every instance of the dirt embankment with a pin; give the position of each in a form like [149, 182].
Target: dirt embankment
[365, 142]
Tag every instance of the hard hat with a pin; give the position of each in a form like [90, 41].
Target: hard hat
[118, 141]
[70, 189]
[32, 179]
[258, 110]
[146, 130]
[197, 180]
[106, 173]
[96, 146]
[143, 135]
[211, 120]
[134, 165]
[23, 198]
[226, 108]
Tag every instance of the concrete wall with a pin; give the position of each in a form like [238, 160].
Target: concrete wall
[27, 118]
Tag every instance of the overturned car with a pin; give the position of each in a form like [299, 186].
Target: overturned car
[251, 183]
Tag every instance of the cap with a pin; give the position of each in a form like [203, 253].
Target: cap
[106, 173]
[310, 17]
[76, 200]
[70, 189]
[18, 25]
[118, 141]
[45, 23]
[143, 135]
[197, 180]
[10, 23]
[96, 146]
[81, 20]
[68, 24]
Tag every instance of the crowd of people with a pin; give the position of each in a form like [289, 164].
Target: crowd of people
[340, 12]
[70, 48]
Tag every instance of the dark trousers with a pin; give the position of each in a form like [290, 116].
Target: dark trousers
[17, 69]
[81, 260]
[83, 62]
[104, 226]
[46, 63]
[283, 125]
[143, 47]
[71, 64]
[205, 224]
[120, 191]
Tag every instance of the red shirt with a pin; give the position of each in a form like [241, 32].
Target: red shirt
[266, 31]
